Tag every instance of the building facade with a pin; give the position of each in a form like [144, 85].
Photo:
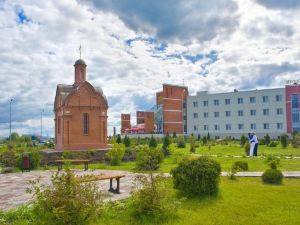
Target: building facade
[171, 111]
[80, 114]
[269, 111]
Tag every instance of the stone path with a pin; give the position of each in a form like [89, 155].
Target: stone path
[242, 156]
[13, 186]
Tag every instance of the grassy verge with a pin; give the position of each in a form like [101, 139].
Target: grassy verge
[245, 201]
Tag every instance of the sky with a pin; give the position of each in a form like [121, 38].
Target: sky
[132, 47]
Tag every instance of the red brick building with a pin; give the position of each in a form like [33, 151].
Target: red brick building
[80, 114]
[173, 102]
[125, 122]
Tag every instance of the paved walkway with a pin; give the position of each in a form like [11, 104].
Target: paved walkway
[13, 186]
[242, 156]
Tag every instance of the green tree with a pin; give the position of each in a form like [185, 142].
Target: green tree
[243, 140]
[119, 139]
[126, 141]
[267, 139]
[148, 158]
[208, 136]
[174, 134]
[199, 137]
[166, 144]
[192, 144]
[152, 142]
[14, 136]
[284, 140]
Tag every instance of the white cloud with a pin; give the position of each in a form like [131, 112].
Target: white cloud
[260, 48]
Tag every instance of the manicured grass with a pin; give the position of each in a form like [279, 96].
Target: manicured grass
[236, 149]
[255, 164]
[244, 201]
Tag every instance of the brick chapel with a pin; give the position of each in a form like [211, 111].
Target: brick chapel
[80, 114]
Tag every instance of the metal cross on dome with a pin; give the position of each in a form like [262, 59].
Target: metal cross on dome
[80, 51]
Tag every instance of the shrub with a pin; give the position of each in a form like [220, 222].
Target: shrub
[272, 161]
[272, 176]
[116, 154]
[284, 140]
[181, 142]
[204, 140]
[66, 201]
[192, 144]
[243, 140]
[119, 139]
[153, 198]
[8, 158]
[273, 144]
[240, 166]
[197, 177]
[174, 135]
[199, 137]
[126, 141]
[247, 148]
[148, 158]
[295, 140]
[267, 139]
[166, 144]
[152, 142]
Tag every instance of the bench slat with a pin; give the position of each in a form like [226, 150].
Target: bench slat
[98, 177]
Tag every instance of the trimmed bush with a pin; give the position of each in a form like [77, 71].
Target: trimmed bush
[295, 140]
[192, 144]
[284, 140]
[116, 154]
[273, 144]
[152, 142]
[181, 142]
[240, 166]
[243, 140]
[272, 161]
[272, 176]
[126, 141]
[197, 177]
[247, 148]
[267, 139]
[148, 158]
[119, 139]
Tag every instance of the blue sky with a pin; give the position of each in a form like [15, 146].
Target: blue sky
[132, 47]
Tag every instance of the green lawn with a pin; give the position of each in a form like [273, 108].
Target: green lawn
[246, 201]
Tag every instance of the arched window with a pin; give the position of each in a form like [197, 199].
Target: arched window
[85, 123]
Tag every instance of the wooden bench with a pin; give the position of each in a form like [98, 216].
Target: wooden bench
[62, 161]
[91, 178]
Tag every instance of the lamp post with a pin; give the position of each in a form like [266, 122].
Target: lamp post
[42, 124]
[10, 119]
[183, 112]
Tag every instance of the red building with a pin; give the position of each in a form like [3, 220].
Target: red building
[173, 102]
[80, 114]
[125, 122]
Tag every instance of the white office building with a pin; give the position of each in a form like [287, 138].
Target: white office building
[239, 112]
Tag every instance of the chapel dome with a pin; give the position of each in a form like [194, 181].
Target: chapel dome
[80, 62]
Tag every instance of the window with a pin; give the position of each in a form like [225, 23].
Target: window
[253, 112]
[216, 102]
[195, 104]
[85, 123]
[217, 114]
[205, 127]
[266, 112]
[195, 115]
[252, 99]
[205, 103]
[227, 101]
[205, 114]
[265, 98]
[195, 128]
[241, 126]
[240, 101]
[217, 127]
[228, 113]
[266, 126]
[279, 126]
[228, 126]
[279, 111]
[240, 113]
[253, 126]
[295, 113]
[278, 98]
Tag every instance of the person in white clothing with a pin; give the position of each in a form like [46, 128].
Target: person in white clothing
[255, 140]
[252, 144]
